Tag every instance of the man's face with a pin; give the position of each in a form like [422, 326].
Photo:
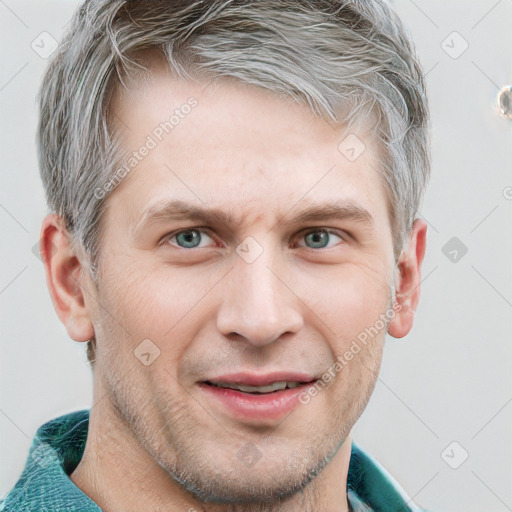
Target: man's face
[250, 293]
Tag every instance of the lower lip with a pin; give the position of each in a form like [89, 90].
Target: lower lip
[247, 406]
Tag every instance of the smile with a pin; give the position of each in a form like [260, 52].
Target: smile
[256, 399]
[276, 386]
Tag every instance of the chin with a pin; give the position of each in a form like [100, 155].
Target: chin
[219, 481]
[236, 490]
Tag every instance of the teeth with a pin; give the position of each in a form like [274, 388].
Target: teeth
[276, 386]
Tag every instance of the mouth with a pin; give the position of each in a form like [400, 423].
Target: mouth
[259, 390]
[257, 398]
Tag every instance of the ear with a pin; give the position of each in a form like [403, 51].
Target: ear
[409, 281]
[64, 277]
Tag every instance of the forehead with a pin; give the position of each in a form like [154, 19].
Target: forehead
[229, 145]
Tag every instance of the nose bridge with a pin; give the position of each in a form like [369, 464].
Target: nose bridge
[256, 304]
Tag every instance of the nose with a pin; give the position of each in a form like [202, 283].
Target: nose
[258, 304]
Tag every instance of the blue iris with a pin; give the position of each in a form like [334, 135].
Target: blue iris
[189, 239]
[319, 239]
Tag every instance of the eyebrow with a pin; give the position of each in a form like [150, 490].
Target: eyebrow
[175, 209]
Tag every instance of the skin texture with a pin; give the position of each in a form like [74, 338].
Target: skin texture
[260, 159]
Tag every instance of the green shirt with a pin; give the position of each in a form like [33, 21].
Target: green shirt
[58, 445]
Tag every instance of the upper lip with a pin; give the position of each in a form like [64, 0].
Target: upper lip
[255, 379]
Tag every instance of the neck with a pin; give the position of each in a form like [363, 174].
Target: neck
[119, 474]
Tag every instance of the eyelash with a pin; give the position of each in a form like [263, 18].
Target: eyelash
[302, 234]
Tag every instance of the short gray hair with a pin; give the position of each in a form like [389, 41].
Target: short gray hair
[346, 60]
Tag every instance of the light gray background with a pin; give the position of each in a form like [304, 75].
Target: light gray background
[449, 380]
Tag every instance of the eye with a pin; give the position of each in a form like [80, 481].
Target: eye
[190, 238]
[321, 239]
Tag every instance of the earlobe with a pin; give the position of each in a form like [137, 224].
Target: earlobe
[408, 284]
[64, 277]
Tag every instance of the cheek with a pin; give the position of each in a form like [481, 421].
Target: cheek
[148, 302]
[139, 338]
[349, 302]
